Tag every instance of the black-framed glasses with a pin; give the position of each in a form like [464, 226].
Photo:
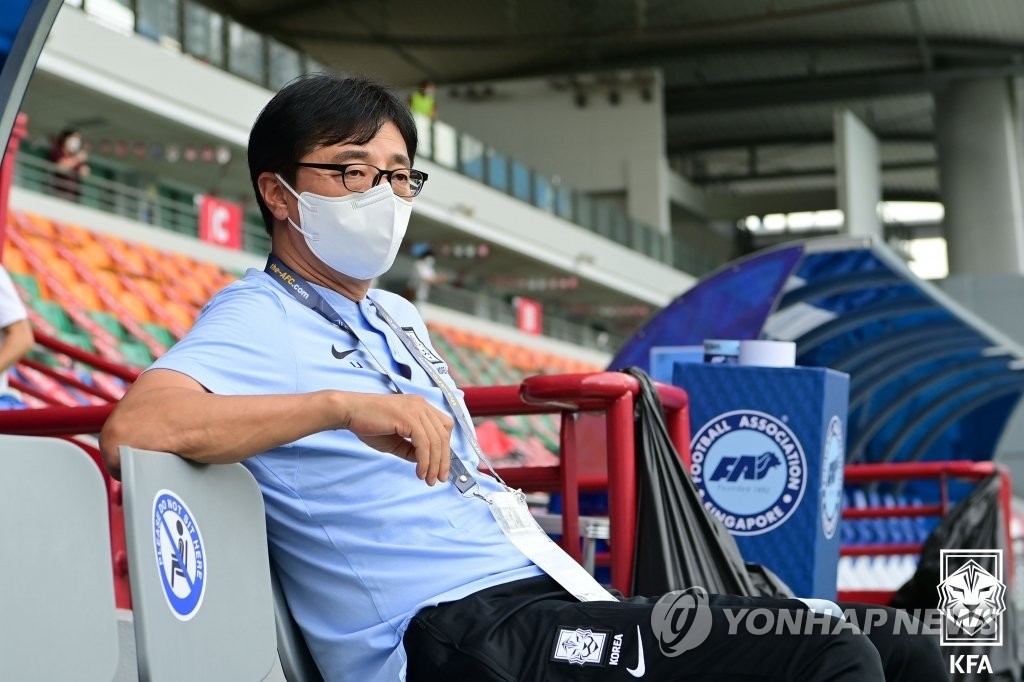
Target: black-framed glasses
[362, 177]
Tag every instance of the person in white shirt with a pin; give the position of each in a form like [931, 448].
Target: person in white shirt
[16, 337]
[424, 273]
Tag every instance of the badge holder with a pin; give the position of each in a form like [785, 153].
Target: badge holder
[517, 523]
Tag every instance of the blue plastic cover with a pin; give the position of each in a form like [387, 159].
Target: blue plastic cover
[928, 381]
[731, 303]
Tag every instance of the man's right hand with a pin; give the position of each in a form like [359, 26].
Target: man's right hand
[406, 426]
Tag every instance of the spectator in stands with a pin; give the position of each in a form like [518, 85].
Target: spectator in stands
[333, 397]
[423, 100]
[69, 159]
[16, 337]
[424, 273]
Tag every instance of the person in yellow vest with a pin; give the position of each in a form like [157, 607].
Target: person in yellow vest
[422, 100]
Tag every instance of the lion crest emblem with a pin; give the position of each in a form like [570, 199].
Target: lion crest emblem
[971, 598]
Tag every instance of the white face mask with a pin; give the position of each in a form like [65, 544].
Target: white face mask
[72, 145]
[359, 234]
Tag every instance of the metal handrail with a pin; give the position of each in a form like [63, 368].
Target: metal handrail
[554, 324]
[40, 175]
[611, 393]
[114, 197]
[943, 471]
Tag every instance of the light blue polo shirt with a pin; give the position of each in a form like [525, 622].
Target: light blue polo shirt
[360, 543]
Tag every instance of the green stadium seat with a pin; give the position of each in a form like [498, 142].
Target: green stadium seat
[53, 313]
[109, 322]
[454, 358]
[546, 427]
[27, 282]
[77, 338]
[45, 356]
[135, 353]
[160, 333]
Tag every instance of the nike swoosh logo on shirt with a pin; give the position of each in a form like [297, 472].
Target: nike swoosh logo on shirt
[341, 355]
[641, 667]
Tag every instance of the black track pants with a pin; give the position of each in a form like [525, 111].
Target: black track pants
[533, 630]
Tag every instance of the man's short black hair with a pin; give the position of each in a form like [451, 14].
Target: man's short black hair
[319, 110]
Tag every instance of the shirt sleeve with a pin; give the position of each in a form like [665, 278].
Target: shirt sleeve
[11, 308]
[240, 345]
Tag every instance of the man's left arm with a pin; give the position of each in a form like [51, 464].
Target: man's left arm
[18, 340]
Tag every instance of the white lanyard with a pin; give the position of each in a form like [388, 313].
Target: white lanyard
[509, 507]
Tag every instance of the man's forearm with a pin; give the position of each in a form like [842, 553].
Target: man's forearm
[217, 429]
[18, 341]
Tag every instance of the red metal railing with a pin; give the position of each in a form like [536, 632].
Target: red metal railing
[597, 454]
[103, 389]
[607, 398]
[944, 472]
[18, 133]
[583, 466]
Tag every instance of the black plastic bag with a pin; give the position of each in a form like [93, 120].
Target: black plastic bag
[975, 523]
[678, 544]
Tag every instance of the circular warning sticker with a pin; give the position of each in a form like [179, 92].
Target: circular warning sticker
[180, 555]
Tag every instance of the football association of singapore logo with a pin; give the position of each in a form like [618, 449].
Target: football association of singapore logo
[749, 469]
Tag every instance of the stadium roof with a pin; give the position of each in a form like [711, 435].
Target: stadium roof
[928, 380]
[750, 85]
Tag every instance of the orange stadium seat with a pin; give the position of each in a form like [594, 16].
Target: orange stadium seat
[160, 266]
[181, 263]
[85, 295]
[135, 306]
[38, 225]
[95, 256]
[191, 290]
[63, 271]
[14, 261]
[209, 276]
[183, 315]
[223, 280]
[518, 357]
[458, 337]
[110, 280]
[439, 328]
[72, 235]
[152, 290]
[133, 262]
[41, 246]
